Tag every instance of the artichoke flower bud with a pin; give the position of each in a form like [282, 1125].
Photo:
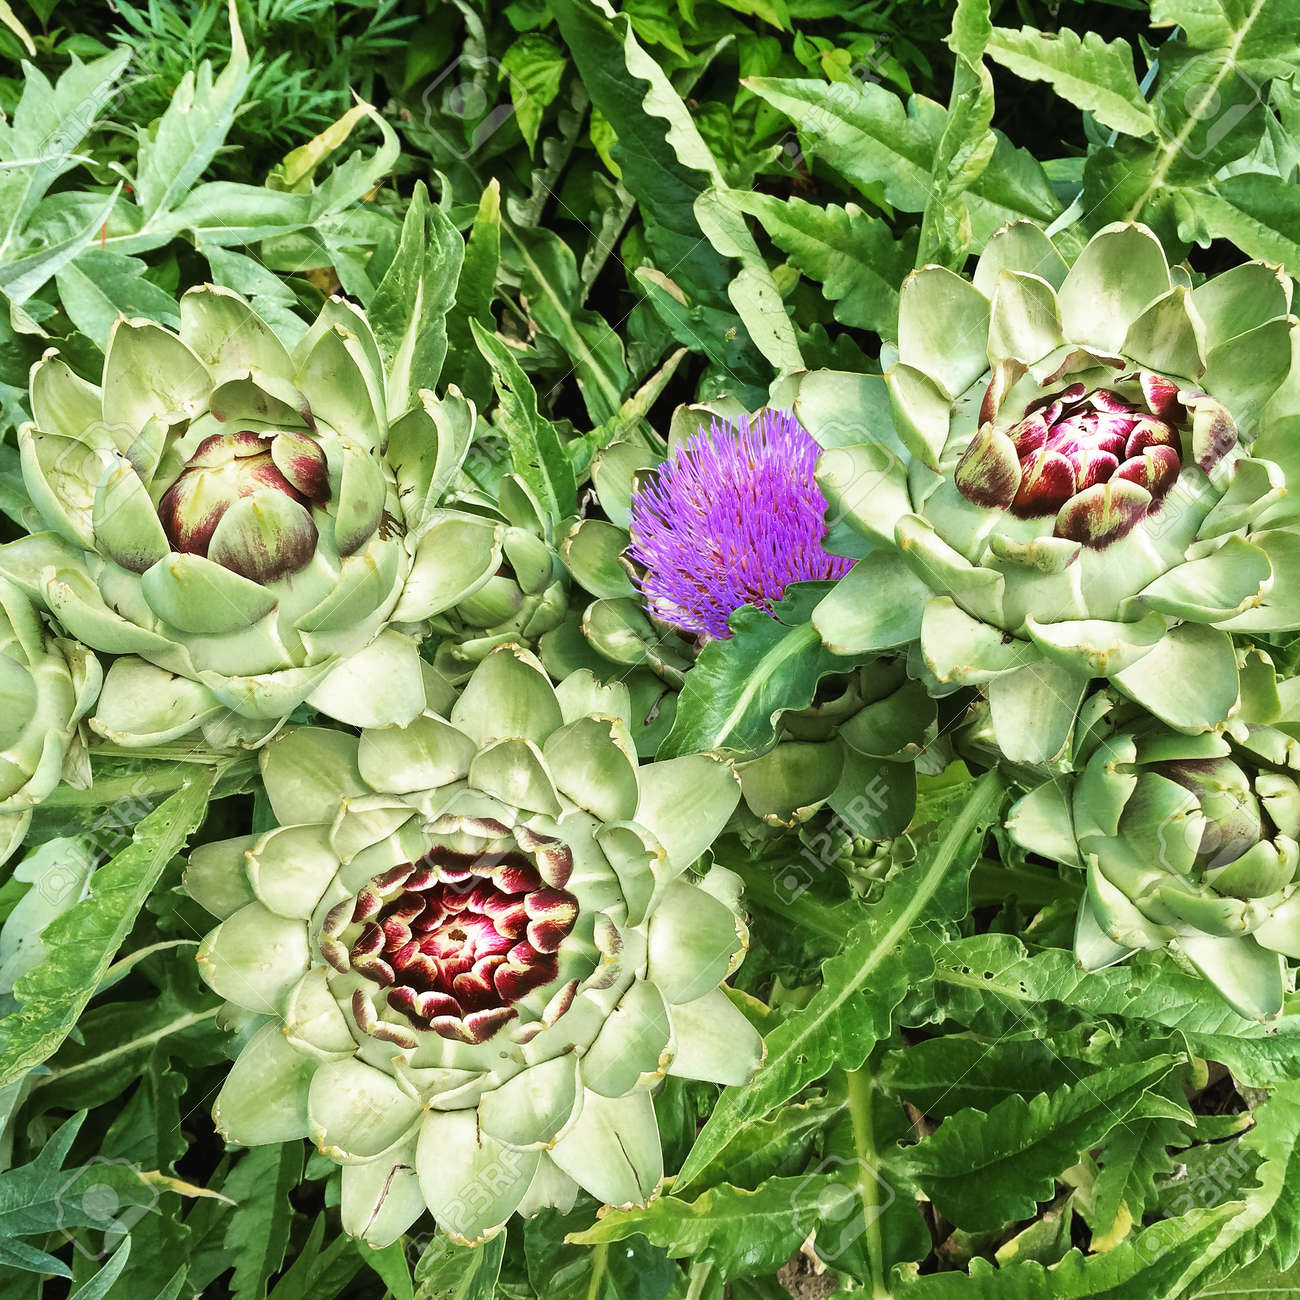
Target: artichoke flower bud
[1071, 469]
[227, 516]
[480, 949]
[1057, 460]
[272, 481]
[1189, 843]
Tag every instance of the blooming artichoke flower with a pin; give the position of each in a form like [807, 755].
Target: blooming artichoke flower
[247, 524]
[476, 951]
[1076, 472]
[732, 519]
[1189, 843]
[48, 684]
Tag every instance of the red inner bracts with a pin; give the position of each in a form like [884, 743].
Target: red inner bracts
[457, 939]
[1096, 459]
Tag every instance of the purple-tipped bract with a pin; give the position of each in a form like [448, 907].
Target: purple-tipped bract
[731, 519]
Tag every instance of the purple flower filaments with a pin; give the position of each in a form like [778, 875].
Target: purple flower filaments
[731, 519]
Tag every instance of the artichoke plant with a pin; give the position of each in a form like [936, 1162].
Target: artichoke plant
[1189, 842]
[1068, 472]
[248, 525]
[474, 948]
[49, 684]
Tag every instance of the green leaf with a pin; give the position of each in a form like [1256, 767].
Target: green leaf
[98, 286]
[1258, 213]
[1257, 35]
[390, 1263]
[966, 146]
[43, 133]
[738, 688]
[475, 291]
[666, 187]
[940, 1076]
[447, 1271]
[258, 1229]
[738, 1231]
[984, 1169]
[883, 956]
[538, 455]
[1135, 1154]
[97, 1287]
[534, 66]
[550, 283]
[1147, 1265]
[81, 943]
[192, 129]
[410, 304]
[856, 258]
[1091, 73]
[998, 971]
[1268, 1222]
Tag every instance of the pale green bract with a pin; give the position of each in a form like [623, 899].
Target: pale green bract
[248, 525]
[1188, 842]
[47, 685]
[475, 949]
[1068, 472]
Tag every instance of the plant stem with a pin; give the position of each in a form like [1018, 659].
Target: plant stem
[868, 1185]
[699, 1279]
[599, 1262]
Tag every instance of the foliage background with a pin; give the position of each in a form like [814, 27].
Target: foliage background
[663, 207]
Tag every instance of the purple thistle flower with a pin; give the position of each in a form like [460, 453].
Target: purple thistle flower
[731, 519]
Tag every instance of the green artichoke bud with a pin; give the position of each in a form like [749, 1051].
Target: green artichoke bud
[477, 950]
[246, 524]
[47, 685]
[1068, 473]
[525, 599]
[1190, 843]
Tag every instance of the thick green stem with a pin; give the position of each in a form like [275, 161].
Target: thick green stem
[599, 1262]
[700, 1275]
[868, 1184]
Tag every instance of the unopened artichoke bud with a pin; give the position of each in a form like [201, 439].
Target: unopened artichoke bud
[524, 600]
[1189, 843]
[47, 685]
[246, 524]
[1069, 472]
[478, 948]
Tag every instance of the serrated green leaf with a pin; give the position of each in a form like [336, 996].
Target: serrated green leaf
[998, 969]
[1093, 74]
[982, 1169]
[1145, 1266]
[410, 305]
[81, 943]
[258, 1229]
[738, 1231]
[550, 283]
[535, 449]
[199, 116]
[882, 957]
[857, 258]
[475, 291]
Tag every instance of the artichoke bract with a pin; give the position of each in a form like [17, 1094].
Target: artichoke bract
[247, 524]
[1068, 473]
[1190, 843]
[47, 685]
[475, 951]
